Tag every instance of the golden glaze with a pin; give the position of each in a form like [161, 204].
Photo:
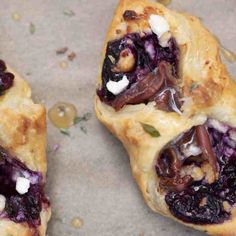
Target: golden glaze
[23, 134]
[214, 97]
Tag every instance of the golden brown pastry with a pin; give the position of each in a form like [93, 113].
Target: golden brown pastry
[24, 207]
[164, 92]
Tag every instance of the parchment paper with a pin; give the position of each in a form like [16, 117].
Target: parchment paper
[89, 175]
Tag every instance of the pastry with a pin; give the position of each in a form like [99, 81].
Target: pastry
[24, 207]
[164, 92]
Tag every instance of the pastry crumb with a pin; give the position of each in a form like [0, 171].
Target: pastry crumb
[77, 223]
[71, 56]
[62, 50]
[16, 16]
[63, 64]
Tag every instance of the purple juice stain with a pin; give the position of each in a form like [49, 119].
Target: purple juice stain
[19, 208]
[187, 204]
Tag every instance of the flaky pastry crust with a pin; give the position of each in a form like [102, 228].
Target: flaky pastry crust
[214, 97]
[23, 134]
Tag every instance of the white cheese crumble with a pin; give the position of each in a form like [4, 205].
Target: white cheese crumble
[2, 202]
[159, 25]
[118, 87]
[22, 185]
[218, 125]
[191, 150]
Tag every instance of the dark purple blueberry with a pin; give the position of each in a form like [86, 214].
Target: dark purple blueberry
[197, 208]
[6, 78]
[6, 81]
[2, 66]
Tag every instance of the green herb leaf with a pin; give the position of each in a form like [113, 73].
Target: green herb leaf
[77, 120]
[151, 130]
[65, 132]
[112, 59]
[32, 28]
[83, 129]
[69, 13]
[85, 117]
[193, 86]
[58, 219]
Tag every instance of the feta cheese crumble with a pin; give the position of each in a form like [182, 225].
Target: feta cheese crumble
[159, 25]
[118, 87]
[191, 150]
[2, 202]
[22, 185]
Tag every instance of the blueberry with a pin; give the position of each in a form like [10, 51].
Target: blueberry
[2, 66]
[6, 78]
[6, 81]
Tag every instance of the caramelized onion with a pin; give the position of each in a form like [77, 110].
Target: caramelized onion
[173, 158]
[168, 100]
[143, 89]
[204, 142]
[168, 167]
[156, 86]
[176, 184]
[169, 163]
[162, 101]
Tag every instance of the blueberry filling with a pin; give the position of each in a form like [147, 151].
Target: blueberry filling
[20, 208]
[201, 200]
[150, 68]
[6, 78]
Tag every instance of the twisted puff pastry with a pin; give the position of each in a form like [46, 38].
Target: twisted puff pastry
[213, 97]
